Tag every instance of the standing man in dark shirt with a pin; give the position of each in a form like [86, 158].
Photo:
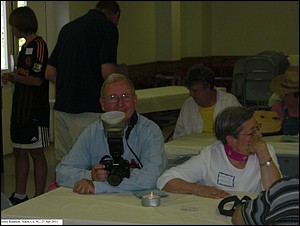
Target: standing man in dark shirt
[85, 54]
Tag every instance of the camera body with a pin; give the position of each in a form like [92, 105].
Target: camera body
[113, 124]
[117, 166]
[117, 170]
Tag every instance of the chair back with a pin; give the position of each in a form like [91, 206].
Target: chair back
[258, 71]
[279, 59]
[238, 78]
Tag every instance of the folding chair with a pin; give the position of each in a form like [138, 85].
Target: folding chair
[279, 59]
[258, 71]
[238, 78]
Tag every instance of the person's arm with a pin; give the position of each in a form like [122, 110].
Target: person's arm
[123, 69]
[109, 68]
[179, 130]
[184, 178]
[86, 152]
[180, 186]
[189, 120]
[26, 80]
[109, 54]
[50, 73]
[268, 169]
[237, 218]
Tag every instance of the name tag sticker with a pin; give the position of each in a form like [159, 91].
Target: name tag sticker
[37, 67]
[28, 51]
[225, 180]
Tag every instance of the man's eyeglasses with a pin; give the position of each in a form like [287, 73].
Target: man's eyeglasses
[256, 129]
[112, 99]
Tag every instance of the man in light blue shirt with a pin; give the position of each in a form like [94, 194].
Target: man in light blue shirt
[144, 148]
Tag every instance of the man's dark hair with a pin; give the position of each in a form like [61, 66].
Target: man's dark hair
[111, 6]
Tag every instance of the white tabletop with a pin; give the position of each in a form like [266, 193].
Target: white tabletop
[161, 98]
[192, 145]
[119, 208]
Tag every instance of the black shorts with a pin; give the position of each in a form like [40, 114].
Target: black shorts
[24, 134]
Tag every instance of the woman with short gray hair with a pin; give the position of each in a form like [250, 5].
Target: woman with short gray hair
[239, 161]
[231, 121]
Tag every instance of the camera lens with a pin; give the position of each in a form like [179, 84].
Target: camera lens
[114, 179]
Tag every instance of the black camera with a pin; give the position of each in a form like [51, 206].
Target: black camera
[118, 167]
[117, 170]
[113, 123]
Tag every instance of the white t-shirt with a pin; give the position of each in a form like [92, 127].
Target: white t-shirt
[213, 168]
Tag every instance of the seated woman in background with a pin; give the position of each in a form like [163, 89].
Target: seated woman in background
[199, 111]
[286, 86]
[239, 161]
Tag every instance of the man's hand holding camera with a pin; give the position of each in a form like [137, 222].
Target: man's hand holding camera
[86, 186]
[99, 173]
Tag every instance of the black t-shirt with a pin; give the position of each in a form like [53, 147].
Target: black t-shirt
[83, 46]
[31, 103]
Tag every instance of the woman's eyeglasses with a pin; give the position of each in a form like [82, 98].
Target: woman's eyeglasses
[112, 99]
[252, 133]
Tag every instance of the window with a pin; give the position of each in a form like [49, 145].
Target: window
[21, 40]
[7, 38]
[4, 54]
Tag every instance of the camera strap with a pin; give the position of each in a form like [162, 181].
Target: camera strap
[132, 123]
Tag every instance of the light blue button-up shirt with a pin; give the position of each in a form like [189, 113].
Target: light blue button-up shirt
[145, 139]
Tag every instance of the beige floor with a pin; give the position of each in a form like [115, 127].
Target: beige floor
[8, 178]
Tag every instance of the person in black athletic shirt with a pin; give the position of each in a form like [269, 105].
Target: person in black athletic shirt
[30, 107]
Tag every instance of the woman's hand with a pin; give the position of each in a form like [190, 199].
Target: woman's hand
[257, 146]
